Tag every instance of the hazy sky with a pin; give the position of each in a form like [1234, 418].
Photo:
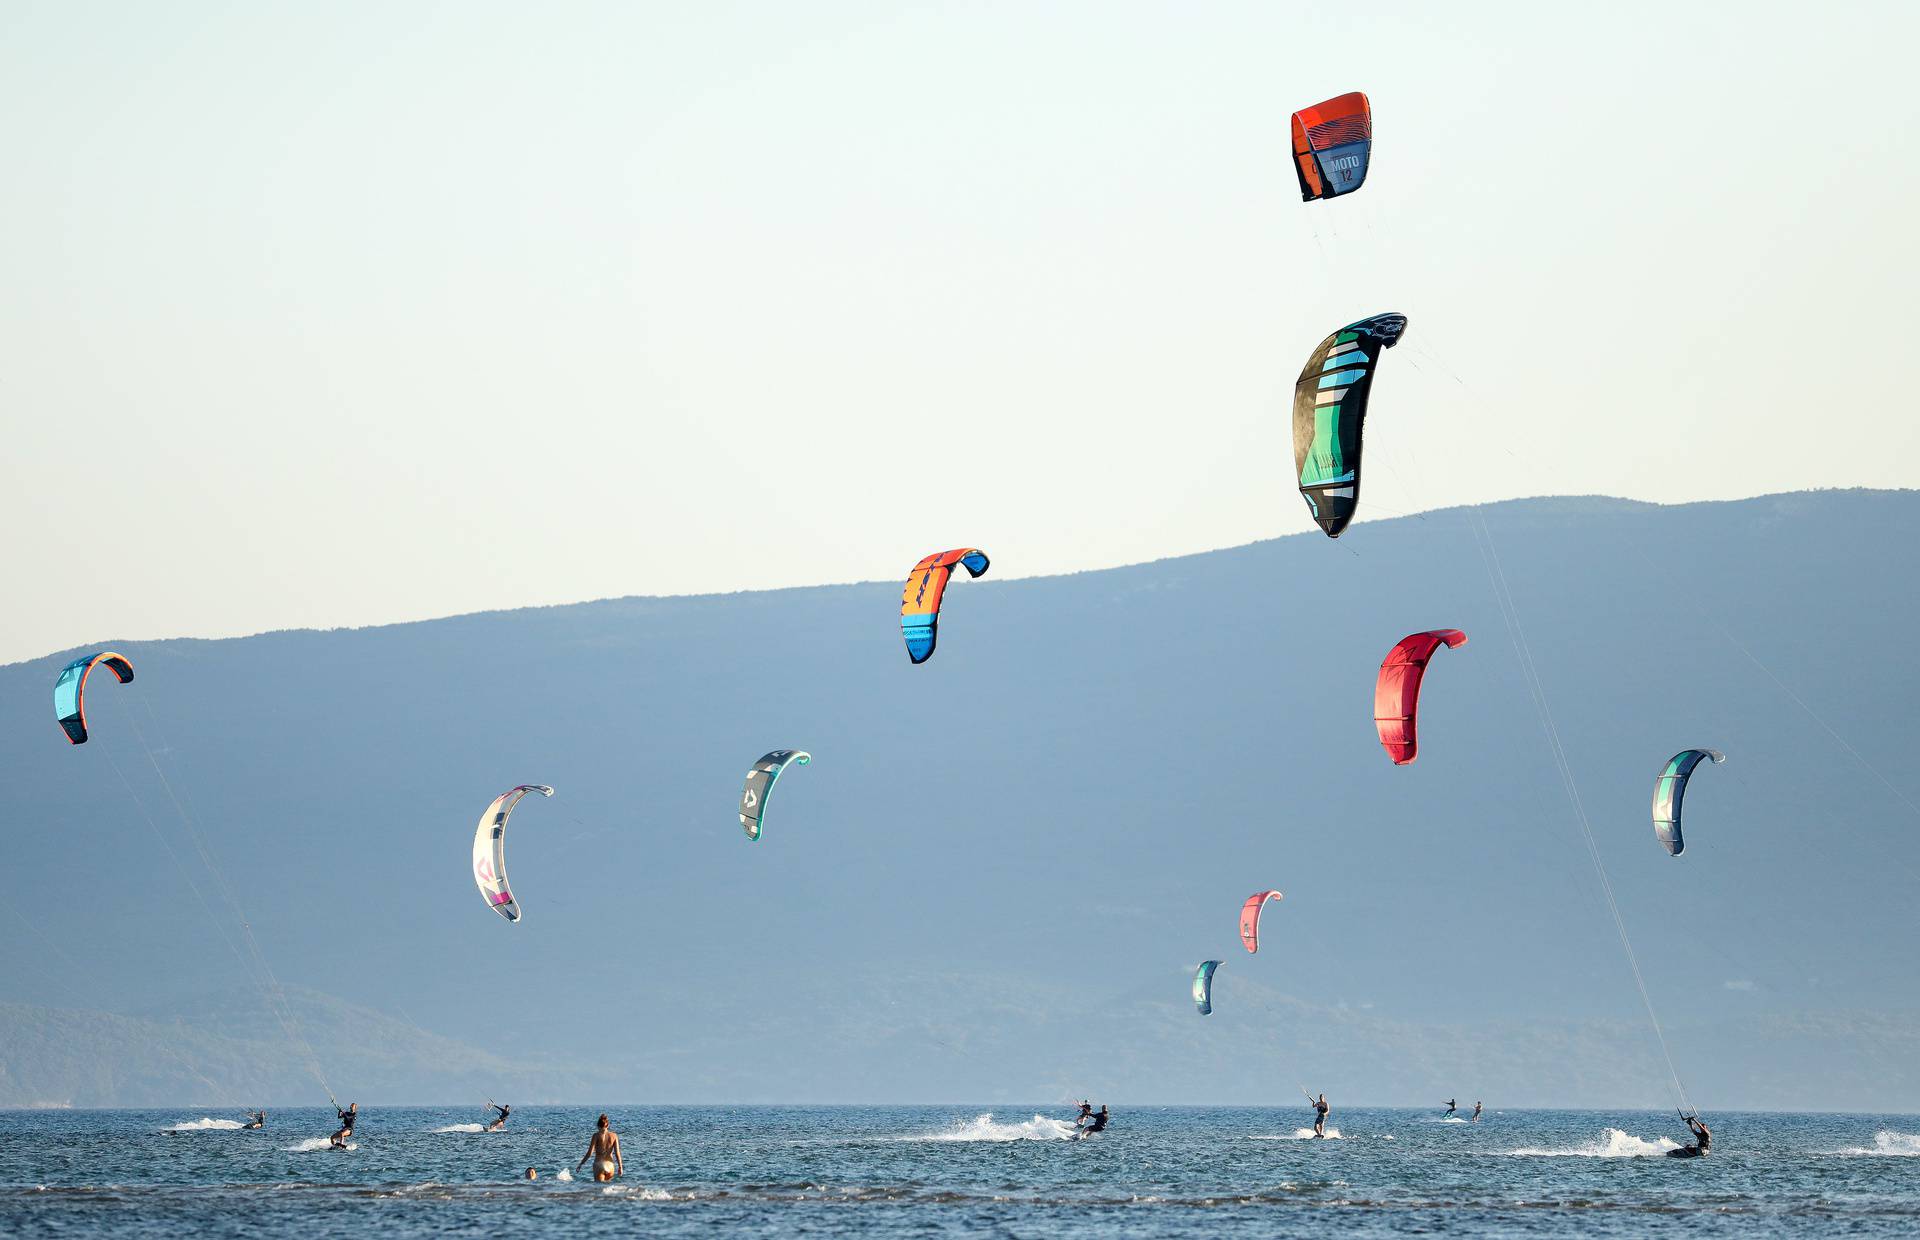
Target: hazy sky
[335, 314]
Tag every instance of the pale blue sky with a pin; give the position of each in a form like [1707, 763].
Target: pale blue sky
[348, 313]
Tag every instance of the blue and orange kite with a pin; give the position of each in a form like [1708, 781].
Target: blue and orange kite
[920, 602]
[1332, 143]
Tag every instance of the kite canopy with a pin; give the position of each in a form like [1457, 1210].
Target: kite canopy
[490, 851]
[1329, 405]
[1250, 918]
[1396, 695]
[759, 790]
[1203, 986]
[70, 690]
[1669, 787]
[920, 602]
[1332, 142]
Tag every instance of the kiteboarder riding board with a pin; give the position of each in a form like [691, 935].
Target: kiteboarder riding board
[1702, 1139]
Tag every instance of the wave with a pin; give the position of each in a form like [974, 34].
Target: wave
[206, 1125]
[1300, 1134]
[563, 1175]
[431, 1189]
[462, 1128]
[317, 1143]
[1886, 1144]
[1445, 1119]
[984, 1128]
[1613, 1143]
[636, 1192]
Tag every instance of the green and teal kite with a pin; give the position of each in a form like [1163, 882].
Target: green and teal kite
[1329, 405]
[1668, 790]
[1203, 986]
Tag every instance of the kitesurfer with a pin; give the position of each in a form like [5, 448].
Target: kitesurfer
[500, 1123]
[1097, 1122]
[604, 1150]
[1452, 1108]
[255, 1119]
[1476, 1112]
[352, 1113]
[1086, 1110]
[1320, 1109]
[1702, 1140]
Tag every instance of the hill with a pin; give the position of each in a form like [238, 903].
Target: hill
[997, 873]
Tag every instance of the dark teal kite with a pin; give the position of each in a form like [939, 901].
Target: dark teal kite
[1203, 986]
[759, 787]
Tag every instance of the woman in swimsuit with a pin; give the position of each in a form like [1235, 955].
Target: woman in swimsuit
[604, 1150]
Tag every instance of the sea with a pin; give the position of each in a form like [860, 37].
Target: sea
[954, 1170]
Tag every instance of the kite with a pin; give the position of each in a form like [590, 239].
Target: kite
[920, 601]
[1396, 695]
[490, 851]
[1250, 918]
[70, 690]
[1203, 986]
[1331, 145]
[1669, 788]
[759, 789]
[1329, 404]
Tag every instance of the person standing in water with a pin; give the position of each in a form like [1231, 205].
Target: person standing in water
[1453, 1108]
[1476, 1112]
[347, 1117]
[500, 1123]
[604, 1150]
[1320, 1109]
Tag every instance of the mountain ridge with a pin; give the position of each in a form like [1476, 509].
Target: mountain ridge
[989, 879]
[1448, 511]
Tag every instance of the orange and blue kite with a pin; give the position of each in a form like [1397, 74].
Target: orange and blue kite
[920, 602]
[1332, 145]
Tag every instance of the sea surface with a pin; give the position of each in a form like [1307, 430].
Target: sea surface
[954, 1170]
